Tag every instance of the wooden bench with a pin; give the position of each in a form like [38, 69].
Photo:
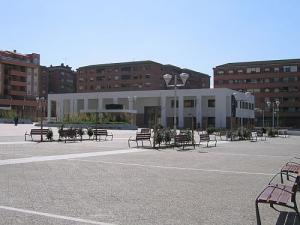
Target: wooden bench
[140, 137]
[261, 135]
[183, 140]
[100, 132]
[207, 138]
[283, 133]
[36, 132]
[278, 194]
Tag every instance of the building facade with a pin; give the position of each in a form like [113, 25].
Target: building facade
[269, 81]
[19, 82]
[60, 79]
[198, 108]
[133, 76]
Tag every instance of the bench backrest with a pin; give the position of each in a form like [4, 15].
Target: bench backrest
[181, 137]
[100, 132]
[254, 134]
[143, 136]
[39, 131]
[145, 130]
[204, 137]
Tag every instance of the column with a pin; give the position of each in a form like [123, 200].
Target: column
[85, 104]
[61, 109]
[163, 109]
[100, 103]
[49, 110]
[220, 111]
[198, 112]
[71, 106]
[115, 100]
[75, 106]
[130, 103]
[180, 112]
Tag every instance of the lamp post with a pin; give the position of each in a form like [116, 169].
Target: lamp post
[275, 108]
[40, 101]
[241, 113]
[168, 78]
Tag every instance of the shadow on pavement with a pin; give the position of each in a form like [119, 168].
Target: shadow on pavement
[287, 218]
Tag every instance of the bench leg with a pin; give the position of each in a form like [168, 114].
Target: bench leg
[257, 213]
[296, 209]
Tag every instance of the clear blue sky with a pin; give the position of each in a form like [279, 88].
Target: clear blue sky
[188, 33]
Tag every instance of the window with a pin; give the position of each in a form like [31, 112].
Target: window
[230, 71]
[240, 71]
[172, 103]
[100, 78]
[116, 77]
[211, 121]
[253, 70]
[126, 69]
[147, 76]
[126, 77]
[288, 69]
[211, 103]
[285, 80]
[267, 69]
[189, 103]
[276, 69]
[221, 72]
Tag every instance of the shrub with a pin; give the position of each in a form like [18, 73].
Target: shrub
[167, 135]
[90, 132]
[49, 135]
[210, 130]
[272, 132]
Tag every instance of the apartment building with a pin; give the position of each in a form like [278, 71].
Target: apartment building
[269, 81]
[19, 82]
[60, 79]
[133, 76]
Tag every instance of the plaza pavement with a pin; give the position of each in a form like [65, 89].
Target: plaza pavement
[107, 183]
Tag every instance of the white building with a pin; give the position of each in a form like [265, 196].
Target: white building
[200, 107]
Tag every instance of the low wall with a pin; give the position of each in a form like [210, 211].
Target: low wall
[100, 126]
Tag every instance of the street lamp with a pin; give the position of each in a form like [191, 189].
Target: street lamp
[168, 78]
[241, 113]
[275, 108]
[40, 101]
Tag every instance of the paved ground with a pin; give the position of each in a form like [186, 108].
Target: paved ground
[107, 183]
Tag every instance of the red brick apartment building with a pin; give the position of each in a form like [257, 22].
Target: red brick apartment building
[133, 76]
[60, 79]
[275, 80]
[19, 82]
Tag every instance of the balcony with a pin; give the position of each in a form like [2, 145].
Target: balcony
[18, 93]
[18, 73]
[18, 83]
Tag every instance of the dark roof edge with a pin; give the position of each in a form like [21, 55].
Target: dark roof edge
[117, 64]
[260, 62]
